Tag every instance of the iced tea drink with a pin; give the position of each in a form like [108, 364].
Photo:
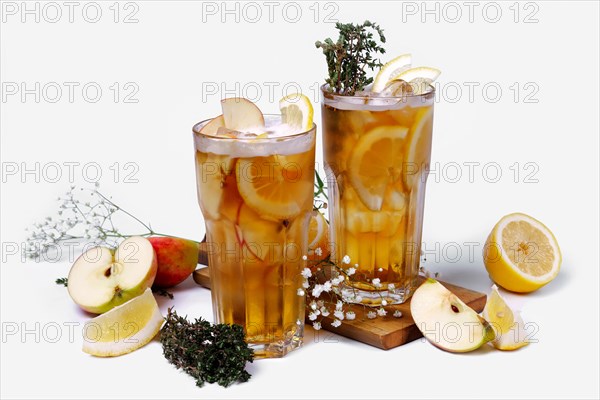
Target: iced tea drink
[256, 196]
[377, 152]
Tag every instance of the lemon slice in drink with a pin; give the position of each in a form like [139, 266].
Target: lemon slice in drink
[274, 186]
[508, 326]
[390, 71]
[375, 162]
[418, 147]
[124, 328]
[297, 111]
[521, 254]
[318, 237]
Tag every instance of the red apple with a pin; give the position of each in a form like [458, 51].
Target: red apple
[177, 259]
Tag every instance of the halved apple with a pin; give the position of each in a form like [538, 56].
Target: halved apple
[101, 279]
[242, 115]
[446, 321]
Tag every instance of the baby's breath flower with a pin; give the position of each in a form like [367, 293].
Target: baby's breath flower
[317, 290]
[306, 273]
[371, 315]
[316, 326]
[304, 257]
[300, 292]
[336, 323]
[313, 305]
[339, 314]
[318, 251]
[327, 286]
[384, 302]
[376, 282]
[339, 305]
[346, 259]
[305, 284]
[324, 311]
[391, 286]
[312, 316]
[350, 315]
[351, 271]
[381, 312]
[358, 298]
[380, 269]
[398, 314]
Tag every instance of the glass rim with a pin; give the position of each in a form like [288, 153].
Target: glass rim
[199, 125]
[331, 95]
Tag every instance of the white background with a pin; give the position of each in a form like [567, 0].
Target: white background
[179, 52]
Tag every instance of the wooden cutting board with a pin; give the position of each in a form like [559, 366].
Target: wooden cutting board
[382, 332]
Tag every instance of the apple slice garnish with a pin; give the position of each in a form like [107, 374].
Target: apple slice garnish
[101, 279]
[212, 126]
[242, 115]
[446, 321]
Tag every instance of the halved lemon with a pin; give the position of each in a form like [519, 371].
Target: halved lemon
[508, 326]
[318, 236]
[274, 186]
[389, 72]
[521, 254]
[377, 161]
[297, 111]
[418, 147]
[124, 328]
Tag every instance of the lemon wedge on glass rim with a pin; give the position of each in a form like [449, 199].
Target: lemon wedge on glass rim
[297, 111]
[389, 72]
[124, 328]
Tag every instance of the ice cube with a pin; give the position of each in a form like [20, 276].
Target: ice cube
[226, 132]
[397, 88]
[421, 85]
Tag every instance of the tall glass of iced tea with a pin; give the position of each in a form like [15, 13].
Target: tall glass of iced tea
[256, 196]
[377, 151]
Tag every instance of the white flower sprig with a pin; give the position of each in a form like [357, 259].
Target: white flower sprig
[84, 215]
[322, 286]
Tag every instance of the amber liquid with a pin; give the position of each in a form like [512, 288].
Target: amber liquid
[377, 163]
[257, 211]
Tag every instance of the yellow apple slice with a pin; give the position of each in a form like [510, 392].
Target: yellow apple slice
[100, 280]
[212, 126]
[446, 321]
[242, 115]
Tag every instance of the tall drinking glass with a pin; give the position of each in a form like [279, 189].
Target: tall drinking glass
[377, 152]
[256, 196]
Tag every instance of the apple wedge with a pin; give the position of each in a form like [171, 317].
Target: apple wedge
[242, 115]
[446, 321]
[101, 279]
[212, 126]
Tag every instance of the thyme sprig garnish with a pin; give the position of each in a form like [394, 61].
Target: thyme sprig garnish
[349, 57]
[213, 353]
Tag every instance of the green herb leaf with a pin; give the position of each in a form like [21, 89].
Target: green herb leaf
[214, 353]
[162, 292]
[62, 281]
[350, 56]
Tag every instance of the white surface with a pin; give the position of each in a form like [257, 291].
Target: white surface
[171, 52]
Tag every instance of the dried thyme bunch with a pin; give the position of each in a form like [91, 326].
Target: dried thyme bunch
[354, 51]
[213, 353]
